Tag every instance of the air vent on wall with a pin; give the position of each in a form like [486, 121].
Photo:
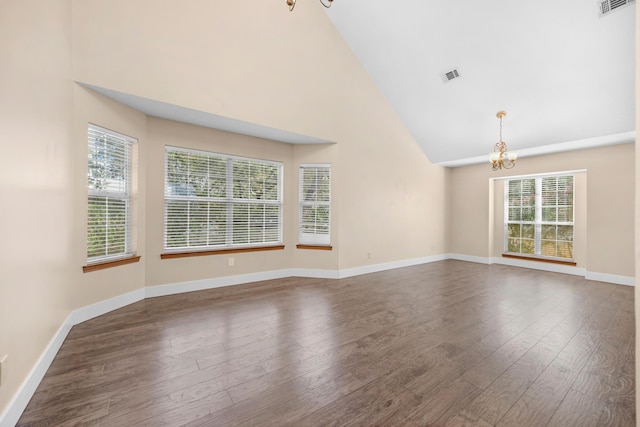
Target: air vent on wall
[450, 75]
[608, 6]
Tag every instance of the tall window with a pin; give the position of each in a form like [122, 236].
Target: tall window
[315, 201]
[218, 201]
[109, 202]
[539, 216]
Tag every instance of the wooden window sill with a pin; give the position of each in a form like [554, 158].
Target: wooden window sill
[109, 264]
[315, 247]
[552, 261]
[170, 255]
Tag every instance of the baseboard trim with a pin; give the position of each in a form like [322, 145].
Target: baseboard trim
[217, 282]
[554, 268]
[376, 268]
[315, 273]
[98, 309]
[470, 258]
[611, 278]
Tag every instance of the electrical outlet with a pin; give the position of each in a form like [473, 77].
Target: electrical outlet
[369, 255]
[3, 369]
[231, 262]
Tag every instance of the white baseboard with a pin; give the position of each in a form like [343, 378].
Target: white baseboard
[470, 258]
[315, 273]
[98, 309]
[555, 268]
[375, 268]
[611, 278]
[217, 282]
[537, 265]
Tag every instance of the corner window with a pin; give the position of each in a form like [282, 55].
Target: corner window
[539, 214]
[315, 205]
[215, 201]
[109, 195]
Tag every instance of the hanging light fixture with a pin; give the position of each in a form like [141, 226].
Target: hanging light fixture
[500, 158]
[325, 3]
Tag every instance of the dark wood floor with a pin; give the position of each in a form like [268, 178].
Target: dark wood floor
[448, 343]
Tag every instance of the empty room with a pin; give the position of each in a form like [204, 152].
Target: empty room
[318, 212]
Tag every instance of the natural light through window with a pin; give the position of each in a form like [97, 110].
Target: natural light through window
[109, 195]
[315, 203]
[539, 215]
[215, 201]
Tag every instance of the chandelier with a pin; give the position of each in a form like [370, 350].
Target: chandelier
[500, 158]
[292, 3]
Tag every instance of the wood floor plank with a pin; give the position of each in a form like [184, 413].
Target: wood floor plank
[446, 343]
[498, 398]
[540, 401]
[577, 410]
[443, 402]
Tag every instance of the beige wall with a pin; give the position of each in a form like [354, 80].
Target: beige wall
[36, 180]
[260, 64]
[604, 215]
[255, 62]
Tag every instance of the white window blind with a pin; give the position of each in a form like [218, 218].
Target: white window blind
[315, 203]
[218, 201]
[539, 215]
[109, 195]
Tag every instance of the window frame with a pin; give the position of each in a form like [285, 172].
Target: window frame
[125, 196]
[538, 223]
[229, 201]
[313, 240]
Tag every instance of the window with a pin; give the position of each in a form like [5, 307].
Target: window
[214, 201]
[315, 200]
[109, 196]
[539, 216]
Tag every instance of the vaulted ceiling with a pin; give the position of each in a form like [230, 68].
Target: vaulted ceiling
[564, 73]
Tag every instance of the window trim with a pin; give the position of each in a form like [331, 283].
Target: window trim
[315, 247]
[538, 223]
[190, 254]
[129, 254]
[529, 257]
[229, 200]
[109, 264]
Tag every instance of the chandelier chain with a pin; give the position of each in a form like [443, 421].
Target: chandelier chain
[325, 3]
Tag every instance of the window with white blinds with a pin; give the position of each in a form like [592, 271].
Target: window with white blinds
[315, 202]
[539, 216]
[215, 201]
[109, 195]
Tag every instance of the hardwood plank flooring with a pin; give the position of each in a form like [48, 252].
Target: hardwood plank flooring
[444, 344]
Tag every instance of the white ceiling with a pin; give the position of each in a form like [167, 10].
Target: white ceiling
[564, 74]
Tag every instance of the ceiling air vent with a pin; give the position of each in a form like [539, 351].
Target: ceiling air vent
[450, 75]
[608, 6]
